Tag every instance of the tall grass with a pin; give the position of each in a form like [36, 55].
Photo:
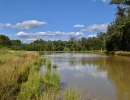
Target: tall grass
[31, 88]
[51, 78]
[20, 78]
[48, 63]
[122, 53]
[72, 94]
[14, 70]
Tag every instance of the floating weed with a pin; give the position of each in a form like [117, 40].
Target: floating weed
[54, 66]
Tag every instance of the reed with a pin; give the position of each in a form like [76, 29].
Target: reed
[54, 66]
[48, 63]
[72, 94]
[14, 70]
[122, 53]
[51, 78]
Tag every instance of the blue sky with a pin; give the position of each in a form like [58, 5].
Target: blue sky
[29, 20]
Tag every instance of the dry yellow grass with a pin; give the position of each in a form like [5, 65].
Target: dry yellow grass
[13, 68]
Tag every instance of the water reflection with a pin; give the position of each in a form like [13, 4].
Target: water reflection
[111, 74]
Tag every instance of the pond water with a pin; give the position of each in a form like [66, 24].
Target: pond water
[106, 77]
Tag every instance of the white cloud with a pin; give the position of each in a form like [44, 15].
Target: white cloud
[28, 24]
[95, 28]
[78, 26]
[102, 0]
[74, 34]
[8, 25]
[49, 33]
[92, 35]
[32, 39]
[38, 35]
[4, 25]
[1, 26]
[22, 34]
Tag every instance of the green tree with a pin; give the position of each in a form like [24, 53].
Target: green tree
[4, 41]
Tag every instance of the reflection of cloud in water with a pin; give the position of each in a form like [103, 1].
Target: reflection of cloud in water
[79, 75]
[96, 73]
[71, 55]
[81, 70]
[78, 63]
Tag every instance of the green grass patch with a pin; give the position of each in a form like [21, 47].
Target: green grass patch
[54, 66]
[51, 78]
[48, 63]
[72, 94]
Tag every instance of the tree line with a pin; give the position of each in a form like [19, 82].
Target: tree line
[73, 44]
[116, 38]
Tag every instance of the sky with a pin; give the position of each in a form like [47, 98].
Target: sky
[29, 20]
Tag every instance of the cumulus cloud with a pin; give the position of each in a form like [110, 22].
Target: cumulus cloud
[78, 26]
[4, 25]
[49, 33]
[92, 35]
[74, 34]
[28, 24]
[95, 28]
[22, 34]
[1, 26]
[34, 36]
[8, 25]
[102, 0]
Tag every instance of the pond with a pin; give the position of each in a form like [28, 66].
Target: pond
[106, 77]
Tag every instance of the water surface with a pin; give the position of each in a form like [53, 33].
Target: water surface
[107, 77]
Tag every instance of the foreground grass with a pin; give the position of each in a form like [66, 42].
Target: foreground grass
[72, 94]
[31, 88]
[14, 70]
[20, 78]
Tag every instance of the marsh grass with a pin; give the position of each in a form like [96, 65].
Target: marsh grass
[122, 53]
[20, 78]
[54, 66]
[48, 63]
[72, 94]
[51, 78]
[31, 88]
[47, 96]
[14, 70]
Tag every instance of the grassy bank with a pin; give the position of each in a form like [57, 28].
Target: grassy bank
[122, 53]
[47, 52]
[14, 70]
[119, 53]
[20, 78]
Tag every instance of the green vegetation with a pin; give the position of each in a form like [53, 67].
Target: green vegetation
[118, 32]
[48, 63]
[51, 79]
[20, 78]
[54, 66]
[122, 53]
[72, 94]
[14, 70]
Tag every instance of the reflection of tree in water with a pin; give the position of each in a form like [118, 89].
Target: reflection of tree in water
[118, 72]
[83, 61]
[74, 62]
